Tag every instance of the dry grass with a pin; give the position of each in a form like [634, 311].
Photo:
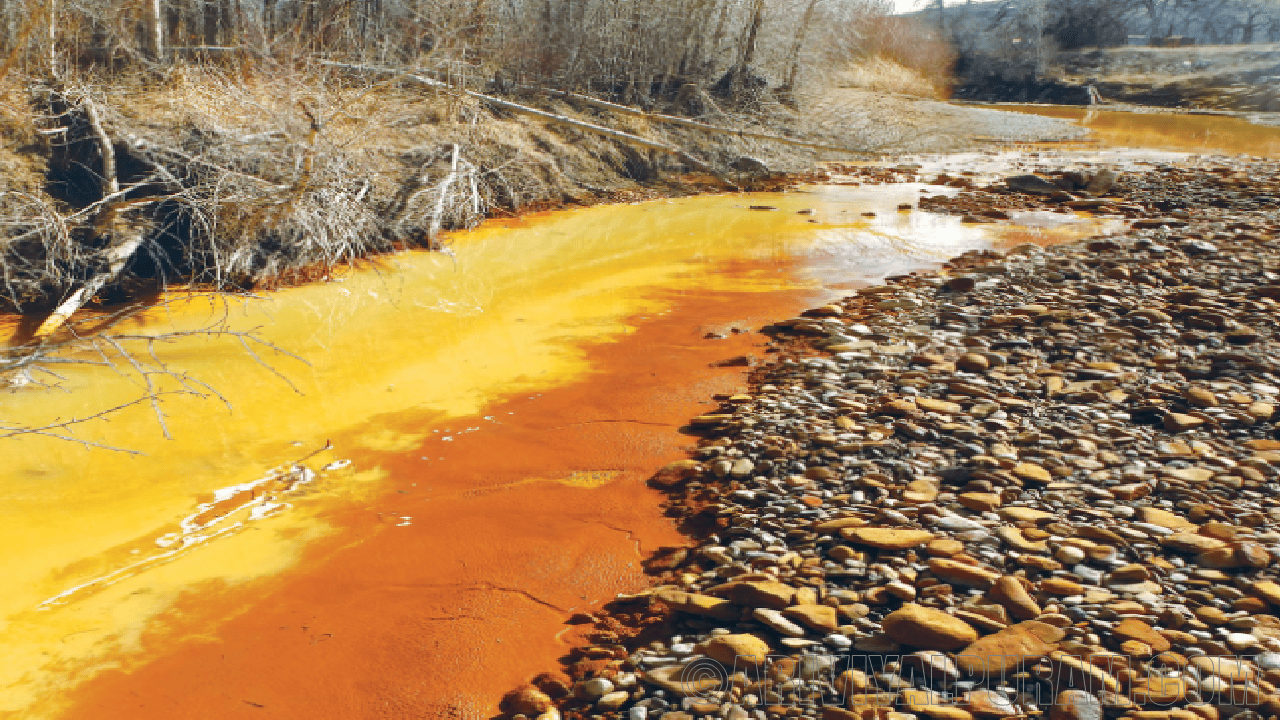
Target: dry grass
[881, 74]
[894, 54]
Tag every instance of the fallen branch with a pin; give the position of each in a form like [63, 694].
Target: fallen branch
[120, 352]
[434, 228]
[117, 256]
[126, 236]
[695, 125]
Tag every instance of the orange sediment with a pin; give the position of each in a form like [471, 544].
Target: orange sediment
[435, 597]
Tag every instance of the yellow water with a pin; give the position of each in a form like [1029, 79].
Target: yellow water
[1204, 134]
[94, 540]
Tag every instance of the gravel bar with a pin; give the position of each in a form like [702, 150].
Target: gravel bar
[1041, 483]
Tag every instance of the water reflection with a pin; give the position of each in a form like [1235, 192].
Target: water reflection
[1206, 134]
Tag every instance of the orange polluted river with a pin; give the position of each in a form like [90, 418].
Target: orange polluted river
[490, 419]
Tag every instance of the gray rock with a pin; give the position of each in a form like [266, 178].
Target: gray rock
[750, 166]
[1031, 184]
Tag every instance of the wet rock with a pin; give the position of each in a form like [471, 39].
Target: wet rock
[527, 700]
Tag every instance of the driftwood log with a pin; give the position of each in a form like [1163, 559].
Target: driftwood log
[126, 235]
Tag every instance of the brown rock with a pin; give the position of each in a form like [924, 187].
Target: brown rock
[1261, 410]
[900, 408]
[1019, 513]
[819, 617]
[959, 573]
[920, 490]
[1210, 615]
[942, 407]
[1231, 670]
[1037, 562]
[1267, 590]
[1224, 558]
[527, 700]
[1131, 573]
[828, 526]
[1191, 543]
[1178, 422]
[763, 593]
[980, 502]
[973, 362]
[694, 604]
[927, 628]
[1158, 690]
[930, 704]
[887, 538]
[944, 547]
[1009, 649]
[675, 473]
[1201, 397]
[1166, 519]
[1251, 554]
[1016, 538]
[1061, 586]
[684, 680]
[1135, 629]
[1032, 472]
[989, 704]
[729, 650]
[1072, 670]
[1009, 592]
[851, 681]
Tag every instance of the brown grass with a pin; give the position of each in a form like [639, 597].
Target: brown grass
[899, 55]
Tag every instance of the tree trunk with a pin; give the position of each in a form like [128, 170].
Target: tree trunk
[268, 22]
[53, 37]
[748, 55]
[153, 16]
[718, 37]
[798, 46]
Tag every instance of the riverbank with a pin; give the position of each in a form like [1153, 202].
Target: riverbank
[256, 182]
[1224, 78]
[1040, 481]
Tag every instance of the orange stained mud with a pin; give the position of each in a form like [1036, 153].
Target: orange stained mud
[492, 416]
[1204, 134]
